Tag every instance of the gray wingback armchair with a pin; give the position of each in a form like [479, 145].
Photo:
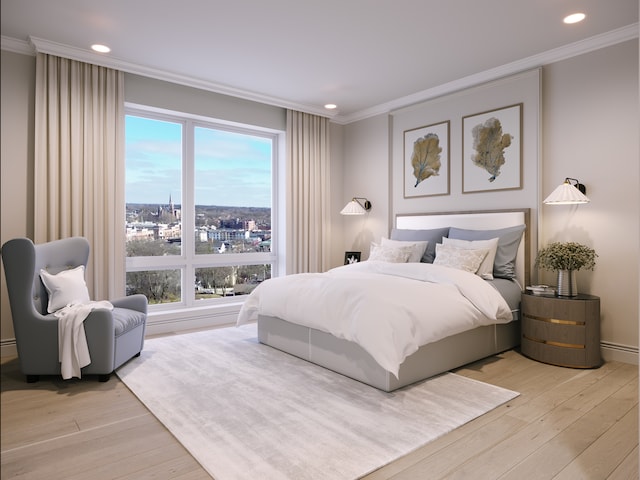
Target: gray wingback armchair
[113, 336]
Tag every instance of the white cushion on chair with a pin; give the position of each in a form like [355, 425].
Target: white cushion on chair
[64, 288]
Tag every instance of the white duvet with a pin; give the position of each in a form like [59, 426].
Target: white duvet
[389, 309]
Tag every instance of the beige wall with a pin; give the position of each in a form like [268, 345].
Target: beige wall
[18, 78]
[16, 156]
[179, 98]
[591, 125]
[589, 131]
[365, 173]
[336, 133]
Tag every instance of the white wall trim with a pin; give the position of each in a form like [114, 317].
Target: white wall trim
[74, 53]
[619, 353]
[535, 61]
[8, 348]
[169, 321]
[16, 46]
[577, 48]
[164, 324]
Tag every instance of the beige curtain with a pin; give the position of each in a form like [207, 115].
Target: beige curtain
[308, 198]
[79, 164]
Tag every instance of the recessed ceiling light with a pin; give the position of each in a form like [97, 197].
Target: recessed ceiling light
[100, 48]
[574, 18]
[330, 106]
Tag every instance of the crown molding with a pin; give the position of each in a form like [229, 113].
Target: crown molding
[74, 53]
[16, 46]
[578, 48]
[551, 56]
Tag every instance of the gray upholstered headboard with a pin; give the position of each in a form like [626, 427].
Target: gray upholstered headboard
[478, 220]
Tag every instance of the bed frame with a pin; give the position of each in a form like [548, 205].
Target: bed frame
[348, 358]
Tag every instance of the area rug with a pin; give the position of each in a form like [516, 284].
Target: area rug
[247, 411]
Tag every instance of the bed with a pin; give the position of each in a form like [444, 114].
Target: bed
[316, 343]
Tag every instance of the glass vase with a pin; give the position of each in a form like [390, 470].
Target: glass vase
[567, 285]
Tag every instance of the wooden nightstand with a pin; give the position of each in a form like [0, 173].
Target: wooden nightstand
[563, 331]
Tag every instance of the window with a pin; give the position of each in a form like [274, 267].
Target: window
[199, 200]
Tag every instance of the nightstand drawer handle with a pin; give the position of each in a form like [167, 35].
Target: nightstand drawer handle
[555, 344]
[554, 320]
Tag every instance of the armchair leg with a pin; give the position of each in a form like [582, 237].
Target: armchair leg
[104, 378]
[33, 378]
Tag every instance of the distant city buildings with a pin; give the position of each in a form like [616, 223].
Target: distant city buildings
[163, 222]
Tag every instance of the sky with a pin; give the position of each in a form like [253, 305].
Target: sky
[231, 169]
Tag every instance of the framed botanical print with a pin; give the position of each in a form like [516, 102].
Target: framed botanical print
[492, 150]
[426, 160]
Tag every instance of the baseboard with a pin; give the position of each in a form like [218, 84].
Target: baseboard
[167, 322]
[8, 348]
[163, 324]
[619, 353]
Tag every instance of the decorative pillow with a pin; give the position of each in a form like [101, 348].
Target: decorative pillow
[504, 265]
[432, 236]
[460, 258]
[390, 254]
[417, 248]
[64, 288]
[486, 267]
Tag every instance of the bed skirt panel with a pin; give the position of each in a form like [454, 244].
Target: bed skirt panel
[349, 359]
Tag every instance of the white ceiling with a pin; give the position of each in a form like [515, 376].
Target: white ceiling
[366, 56]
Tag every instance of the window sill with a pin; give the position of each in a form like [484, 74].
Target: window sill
[180, 320]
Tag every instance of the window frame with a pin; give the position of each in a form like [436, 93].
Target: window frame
[188, 261]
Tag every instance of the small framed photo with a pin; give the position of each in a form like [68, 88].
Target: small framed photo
[351, 257]
[426, 160]
[492, 150]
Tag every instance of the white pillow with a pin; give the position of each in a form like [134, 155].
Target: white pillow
[460, 258]
[390, 254]
[64, 288]
[417, 248]
[486, 267]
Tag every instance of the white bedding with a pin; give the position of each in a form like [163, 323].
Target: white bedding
[389, 309]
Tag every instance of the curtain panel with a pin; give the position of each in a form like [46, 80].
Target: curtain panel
[79, 164]
[308, 195]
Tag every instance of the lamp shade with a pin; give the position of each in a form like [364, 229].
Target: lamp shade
[355, 207]
[566, 194]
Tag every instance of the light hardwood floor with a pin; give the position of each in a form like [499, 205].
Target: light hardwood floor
[566, 424]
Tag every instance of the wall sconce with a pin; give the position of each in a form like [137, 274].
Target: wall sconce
[356, 207]
[571, 192]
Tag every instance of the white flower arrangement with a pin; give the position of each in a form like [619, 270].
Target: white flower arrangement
[566, 256]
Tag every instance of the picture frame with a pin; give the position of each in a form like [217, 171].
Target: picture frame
[426, 160]
[351, 257]
[492, 150]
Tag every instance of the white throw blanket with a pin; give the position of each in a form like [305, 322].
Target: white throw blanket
[389, 309]
[73, 351]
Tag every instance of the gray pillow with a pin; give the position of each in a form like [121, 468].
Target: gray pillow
[504, 265]
[432, 236]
